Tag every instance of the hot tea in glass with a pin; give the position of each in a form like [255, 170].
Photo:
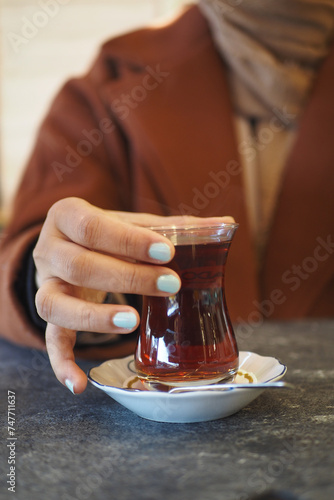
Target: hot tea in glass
[188, 338]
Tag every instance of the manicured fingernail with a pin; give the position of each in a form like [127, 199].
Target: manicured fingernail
[160, 251]
[168, 283]
[125, 320]
[69, 385]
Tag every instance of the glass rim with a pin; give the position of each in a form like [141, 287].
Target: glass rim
[192, 226]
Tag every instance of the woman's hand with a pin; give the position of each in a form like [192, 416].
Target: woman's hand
[82, 253]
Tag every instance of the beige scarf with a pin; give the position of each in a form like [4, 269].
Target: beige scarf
[272, 49]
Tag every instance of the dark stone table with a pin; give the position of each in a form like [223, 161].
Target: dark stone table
[89, 447]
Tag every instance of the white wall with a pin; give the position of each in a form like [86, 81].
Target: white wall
[43, 43]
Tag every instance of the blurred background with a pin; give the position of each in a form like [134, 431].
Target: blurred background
[43, 43]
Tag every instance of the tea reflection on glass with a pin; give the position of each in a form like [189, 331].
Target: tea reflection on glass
[188, 338]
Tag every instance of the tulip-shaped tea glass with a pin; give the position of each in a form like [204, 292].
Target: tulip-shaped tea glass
[187, 338]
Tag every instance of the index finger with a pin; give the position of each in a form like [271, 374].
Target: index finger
[97, 230]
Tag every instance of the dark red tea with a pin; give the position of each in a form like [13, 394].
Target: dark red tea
[188, 337]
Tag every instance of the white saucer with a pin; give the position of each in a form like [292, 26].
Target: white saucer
[111, 377]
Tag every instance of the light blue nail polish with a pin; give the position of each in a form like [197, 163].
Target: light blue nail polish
[125, 320]
[160, 251]
[168, 283]
[69, 385]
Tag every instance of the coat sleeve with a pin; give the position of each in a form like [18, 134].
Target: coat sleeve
[80, 151]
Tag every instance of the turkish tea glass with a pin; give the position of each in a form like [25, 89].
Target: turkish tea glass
[188, 338]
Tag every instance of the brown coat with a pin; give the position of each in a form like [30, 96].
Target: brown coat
[149, 129]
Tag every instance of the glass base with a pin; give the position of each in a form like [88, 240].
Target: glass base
[153, 384]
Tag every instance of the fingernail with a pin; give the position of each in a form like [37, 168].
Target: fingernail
[168, 283]
[160, 251]
[125, 320]
[69, 385]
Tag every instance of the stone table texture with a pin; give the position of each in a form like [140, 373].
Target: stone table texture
[89, 447]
